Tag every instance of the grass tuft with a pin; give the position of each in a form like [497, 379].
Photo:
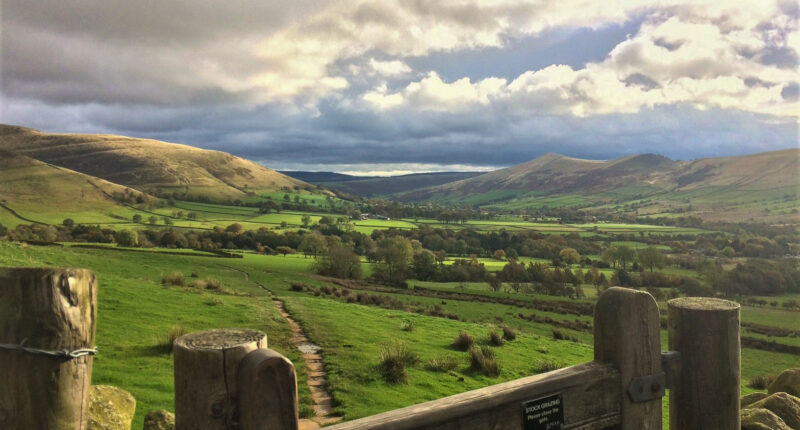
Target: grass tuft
[394, 358]
[407, 325]
[174, 278]
[442, 363]
[484, 361]
[176, 331]
[495, 338]
[509, 333]
[761, 382]
[543, 366]
[463, 341]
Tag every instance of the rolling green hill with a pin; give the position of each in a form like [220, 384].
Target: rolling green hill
[33, 191]
[151, 166]
[761, 186]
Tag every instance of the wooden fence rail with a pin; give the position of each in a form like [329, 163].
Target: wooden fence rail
[229, 379]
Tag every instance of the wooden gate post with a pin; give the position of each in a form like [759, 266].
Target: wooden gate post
[206, 377]
[627, 334]
[706, 333]
[267, 392]
[46, 310]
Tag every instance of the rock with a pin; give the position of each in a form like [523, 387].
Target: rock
[752, 398]
[159, 420]
[786, 406]
[787, 382]
[110, 408]
[761, 419]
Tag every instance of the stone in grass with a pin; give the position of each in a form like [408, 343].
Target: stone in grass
[159, 420]
[787, 382]
[786, 406]
[761, 419]
[110, 408]
[752, 398]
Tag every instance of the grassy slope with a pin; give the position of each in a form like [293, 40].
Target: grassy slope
[25, 182]
[135, 311]
[149, 165]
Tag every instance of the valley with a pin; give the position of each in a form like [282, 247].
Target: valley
[184, 240]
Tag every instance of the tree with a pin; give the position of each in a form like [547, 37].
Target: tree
[495, 283]
[306, 220]
[626, 255]
[68, 222]
[650, 257]
[234, 228]
[284, 250]
[313, 244]
[137, 218]
[425, 265]
[126, 238]
[167, 220]
[610, 256]
[570, 256]
[395, 254]
[339, 261]
[499, 255]
[153, 219]
[441, 257]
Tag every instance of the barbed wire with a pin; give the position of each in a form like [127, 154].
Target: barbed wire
[59, 354]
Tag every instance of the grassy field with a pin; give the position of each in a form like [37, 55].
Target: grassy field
[136, 312]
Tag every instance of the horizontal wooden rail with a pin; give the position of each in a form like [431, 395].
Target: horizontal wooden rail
[589, 396]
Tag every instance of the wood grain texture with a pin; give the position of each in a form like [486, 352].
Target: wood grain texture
[50, 309]
[589, 391]
[627, 334]
[206, 383]
[706, 333]
[267, 392]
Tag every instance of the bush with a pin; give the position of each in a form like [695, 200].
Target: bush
[484, 361]
[407, 325]
[394, 358]
[509, 333]
[542, 366]
[495, 338]
[176, 331]
[174, 278]
[463, 341]
[761, 382]
[444, 363]
[213, 284]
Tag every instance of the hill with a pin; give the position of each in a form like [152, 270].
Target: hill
[761, 186]
[32, 191]
[159, 168]
[372, 186]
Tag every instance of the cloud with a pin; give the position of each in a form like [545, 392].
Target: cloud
[672, 60]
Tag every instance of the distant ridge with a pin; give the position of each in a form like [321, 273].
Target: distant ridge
[717, 188]
[371, 186]
[149, 165]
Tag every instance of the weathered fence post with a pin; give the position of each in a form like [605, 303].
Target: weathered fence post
[627, 333]
[267, 392]
[206, 382]
[44, 311]
[706, 333]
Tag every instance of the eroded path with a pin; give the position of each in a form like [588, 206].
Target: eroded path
[316, 374]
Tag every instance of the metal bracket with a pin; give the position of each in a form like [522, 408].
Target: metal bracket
[646, 388]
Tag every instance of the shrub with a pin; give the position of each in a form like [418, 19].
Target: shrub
[463, 341]
[542, 366]
[444, 363]
[484, 361]
[174, 278]
[297, 286]
[557, 335]
[407, 325]
[394, 358]
[509, 333]
[761, 382]
[213, 284]
[176, 331]
[495, 338]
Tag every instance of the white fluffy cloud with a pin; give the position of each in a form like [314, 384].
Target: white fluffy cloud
[703, 56]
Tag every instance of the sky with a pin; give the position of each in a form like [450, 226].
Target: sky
[399, 86]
